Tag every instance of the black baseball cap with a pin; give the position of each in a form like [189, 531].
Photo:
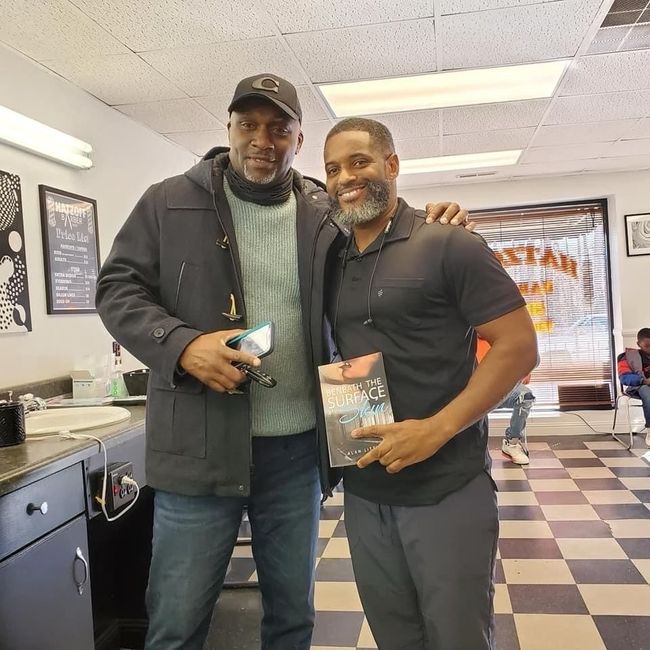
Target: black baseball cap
[269, 86]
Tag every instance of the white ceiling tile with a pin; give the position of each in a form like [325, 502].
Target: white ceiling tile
[217, 103]
[595, 108]
[488, 117]
[466, 6]
[568, 152]
[160, 24]
[534, 33]
[606, 73]
[117, 78]
[560, 134]
[200, 142]
[312, 109]
[479, 142]
[172, 116]
[418, 148]
[53, 30]
[631, 148]
[387, 50]
[308, 16]
[404, 126]
[217, 68]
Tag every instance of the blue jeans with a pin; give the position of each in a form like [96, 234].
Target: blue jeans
[521, 401]
[193, 540]
[644, 394]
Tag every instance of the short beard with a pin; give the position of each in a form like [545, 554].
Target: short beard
[376, 203]
[259, 180]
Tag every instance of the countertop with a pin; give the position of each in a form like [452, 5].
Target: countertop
[34, 459]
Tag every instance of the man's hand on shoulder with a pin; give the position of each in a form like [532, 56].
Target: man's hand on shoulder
[210, 360]
[449, 213]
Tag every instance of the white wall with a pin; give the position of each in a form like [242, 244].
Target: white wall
[626, 192]
[127, 159]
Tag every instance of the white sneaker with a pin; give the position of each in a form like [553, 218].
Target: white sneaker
[515, 451]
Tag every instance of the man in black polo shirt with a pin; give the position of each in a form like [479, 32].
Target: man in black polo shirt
[421, 512]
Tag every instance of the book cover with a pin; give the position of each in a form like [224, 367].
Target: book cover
[354, 394]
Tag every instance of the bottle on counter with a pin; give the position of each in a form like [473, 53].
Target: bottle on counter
[117, 386]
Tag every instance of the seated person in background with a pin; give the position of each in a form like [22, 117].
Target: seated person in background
[520, 400]
[634, 374]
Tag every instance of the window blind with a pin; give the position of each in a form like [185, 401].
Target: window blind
[558, 256]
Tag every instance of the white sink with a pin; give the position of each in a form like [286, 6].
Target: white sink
[74, 419]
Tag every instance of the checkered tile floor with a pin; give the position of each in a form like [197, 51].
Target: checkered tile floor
[573, 569]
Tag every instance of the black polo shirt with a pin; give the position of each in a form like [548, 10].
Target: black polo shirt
[432, 285]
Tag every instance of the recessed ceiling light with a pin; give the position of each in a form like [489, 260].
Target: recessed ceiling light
[443, 89]
[463, 161]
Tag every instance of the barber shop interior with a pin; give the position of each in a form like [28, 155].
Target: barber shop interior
[324, 325]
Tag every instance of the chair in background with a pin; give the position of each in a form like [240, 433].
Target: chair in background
[628, 399]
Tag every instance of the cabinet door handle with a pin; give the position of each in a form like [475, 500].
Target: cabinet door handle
[80, 556]
[32, 508]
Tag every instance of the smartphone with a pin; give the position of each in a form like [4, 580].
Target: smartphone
[257, 341]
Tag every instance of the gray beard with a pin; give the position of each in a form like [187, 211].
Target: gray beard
[259, 180]
[376, 203]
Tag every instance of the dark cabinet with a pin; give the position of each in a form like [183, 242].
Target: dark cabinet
[45, 600]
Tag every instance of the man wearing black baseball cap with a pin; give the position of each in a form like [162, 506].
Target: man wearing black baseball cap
[239, 238]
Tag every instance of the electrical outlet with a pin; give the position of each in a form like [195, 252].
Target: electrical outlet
[117, 495]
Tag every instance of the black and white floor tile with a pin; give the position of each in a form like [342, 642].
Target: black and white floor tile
[573, 568]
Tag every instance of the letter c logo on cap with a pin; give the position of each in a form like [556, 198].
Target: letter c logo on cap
[267, 83]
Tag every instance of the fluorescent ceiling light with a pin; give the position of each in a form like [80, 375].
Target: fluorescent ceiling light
[23, 132]
[464, 161]
[441, 89]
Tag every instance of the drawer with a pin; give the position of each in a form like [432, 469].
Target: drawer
[62, 492]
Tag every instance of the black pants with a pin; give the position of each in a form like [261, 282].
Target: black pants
[425, 573]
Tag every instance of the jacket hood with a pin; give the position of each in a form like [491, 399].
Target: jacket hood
[201, 173]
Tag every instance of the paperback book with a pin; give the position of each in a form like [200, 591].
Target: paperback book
[354, 394]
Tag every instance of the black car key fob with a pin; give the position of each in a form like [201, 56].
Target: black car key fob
[257, 375]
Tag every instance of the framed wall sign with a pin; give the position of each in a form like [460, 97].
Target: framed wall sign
[70, 251]
[15, 314]
[637, 234]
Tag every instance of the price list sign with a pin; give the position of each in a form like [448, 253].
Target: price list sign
[70, 250]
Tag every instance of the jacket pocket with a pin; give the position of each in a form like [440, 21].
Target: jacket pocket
[176, 417]
[187, 301]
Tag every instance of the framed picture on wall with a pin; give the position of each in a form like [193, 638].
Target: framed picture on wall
[70, 251]
[15, 313]
[637, 234]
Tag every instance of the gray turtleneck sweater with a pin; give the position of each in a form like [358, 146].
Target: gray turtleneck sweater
[266, 237]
